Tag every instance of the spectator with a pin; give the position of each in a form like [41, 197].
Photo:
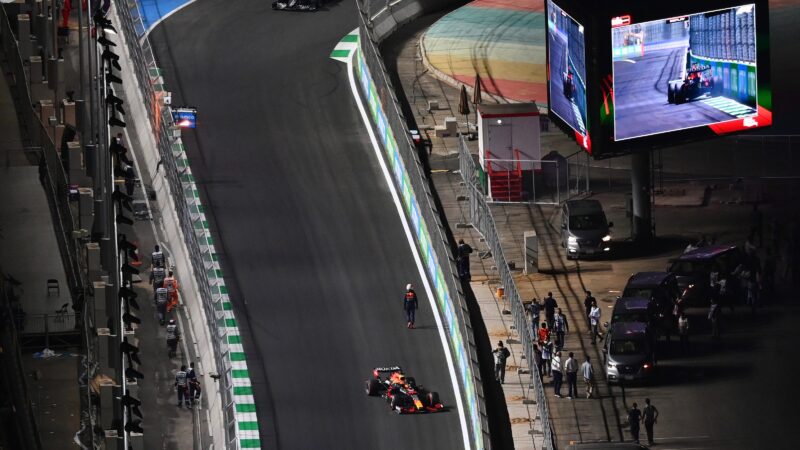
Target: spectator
[157, 258]
[649, 417]
[547, 354]
[571, 367]
[594, 322]
[534, 311]
[182, 387]
[537, 359]
[634, 416]
[462, 261]
[171, 284]
[544, 333]
[501, 354]
[410, 305]
[588, 376]
[556, 370]
[683, 332]
[550, 306]
[561, 327]
[587, 303]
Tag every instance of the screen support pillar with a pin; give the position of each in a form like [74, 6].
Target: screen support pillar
[642, 230]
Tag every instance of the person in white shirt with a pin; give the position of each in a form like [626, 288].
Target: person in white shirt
[557, 371]
[594, 322]
[588, 376]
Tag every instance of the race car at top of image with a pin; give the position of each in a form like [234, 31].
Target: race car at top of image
[697, 83]
[297, 5]
[402, 393]
[569, 85]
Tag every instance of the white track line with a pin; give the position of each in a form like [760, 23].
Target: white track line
[414, 251]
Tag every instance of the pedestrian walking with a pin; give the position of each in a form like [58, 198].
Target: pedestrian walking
[714, 312]
[173, 336]
[594, 322]
[534, 312]
[544, 333]
[547, 355]
[550, 305]
[157, 276]
[537, 359]
[588, 376]
[171, 284]
[501, 354]
[634, 416]
[557, 370]
[462, 261]
[161, 304]
[649, 417]
[191, 379]
[410, 305]
[683, 332]
[130, 179]
[561, 327]
[182, 387]
[157, 257]
[587, 303]
[571, 368]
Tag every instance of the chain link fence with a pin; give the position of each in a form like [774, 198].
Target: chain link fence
[196, 234]
[481, 218]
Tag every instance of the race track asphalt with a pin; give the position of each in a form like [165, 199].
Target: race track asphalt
[560, 104]
[311, 244]
[640, 96]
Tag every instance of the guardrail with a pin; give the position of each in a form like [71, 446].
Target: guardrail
[240, 421]
[482, 220]
[418, 202]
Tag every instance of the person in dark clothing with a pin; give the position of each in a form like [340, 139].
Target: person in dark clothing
[130, 180]
[634, 417]
[587, 303]
[649, 417]
[462, 261]
[191, 379]
[561, 327]
[410, 305]
[550, 305]
[501, 354]
[119, 153]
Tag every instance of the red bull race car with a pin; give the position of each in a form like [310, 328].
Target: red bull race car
[402, 393]
[697, 83]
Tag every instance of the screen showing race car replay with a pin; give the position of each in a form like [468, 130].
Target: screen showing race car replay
[684, 72]
[567, 66]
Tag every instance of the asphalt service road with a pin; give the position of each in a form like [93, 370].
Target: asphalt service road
[310, 240]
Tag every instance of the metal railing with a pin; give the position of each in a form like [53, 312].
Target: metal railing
[482, 220]
[409, 177]
[53, 177]
[148, 75]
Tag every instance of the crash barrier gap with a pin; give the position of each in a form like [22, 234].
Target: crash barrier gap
[233, 423]
[481, 219]
[408, 175]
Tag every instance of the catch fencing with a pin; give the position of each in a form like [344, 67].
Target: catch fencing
[480, 216]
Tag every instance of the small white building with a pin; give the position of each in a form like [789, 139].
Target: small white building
[509, 148]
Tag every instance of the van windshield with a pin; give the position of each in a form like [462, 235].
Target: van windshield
[638, 292]
[689, 267]
[628, 347]
[587, 222]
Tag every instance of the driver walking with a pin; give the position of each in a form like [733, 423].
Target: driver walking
[410, 305]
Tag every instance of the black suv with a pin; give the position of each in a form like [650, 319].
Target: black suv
[693, 270]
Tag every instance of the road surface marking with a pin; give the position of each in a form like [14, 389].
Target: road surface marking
[729, 106]
[423, 275]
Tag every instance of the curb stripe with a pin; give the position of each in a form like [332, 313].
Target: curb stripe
[345, 46]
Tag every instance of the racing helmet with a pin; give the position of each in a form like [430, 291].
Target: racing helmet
[409, 287]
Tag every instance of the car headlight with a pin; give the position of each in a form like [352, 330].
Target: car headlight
[611, 365]
[572, 240]
[607, 238]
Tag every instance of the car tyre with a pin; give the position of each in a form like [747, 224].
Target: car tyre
[670, 94]
[373, 387]
[433, 398]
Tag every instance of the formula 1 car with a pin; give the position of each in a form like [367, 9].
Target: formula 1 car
[697, 83]
[297, 5]
[402, 393]
[569, 85]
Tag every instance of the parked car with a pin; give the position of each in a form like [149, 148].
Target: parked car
[693, 270]
[628, 352]
[662, 291]
[584, 229]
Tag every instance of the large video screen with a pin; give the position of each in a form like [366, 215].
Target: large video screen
[567, 69]
[684, 72]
